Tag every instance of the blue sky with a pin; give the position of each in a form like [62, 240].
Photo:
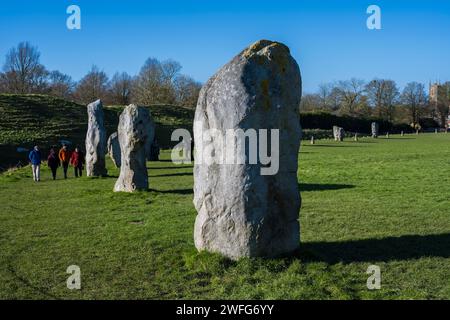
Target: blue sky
[329, 39]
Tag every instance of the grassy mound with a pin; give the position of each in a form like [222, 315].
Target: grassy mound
[39, 119]
[381, 202]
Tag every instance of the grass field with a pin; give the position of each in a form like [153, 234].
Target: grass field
[383, 202]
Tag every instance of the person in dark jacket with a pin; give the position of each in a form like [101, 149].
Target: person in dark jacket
[53, 162]
[64, 157]
[35, 159]
[77, 160]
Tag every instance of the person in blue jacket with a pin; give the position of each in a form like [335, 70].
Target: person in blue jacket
[35, 159]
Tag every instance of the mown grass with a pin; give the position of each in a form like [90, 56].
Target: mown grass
[382, 202]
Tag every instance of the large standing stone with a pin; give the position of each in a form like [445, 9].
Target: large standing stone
[338, 133]
[135, 129]
[240, 211]
[95, 141]
[374, 128]
[114, 149]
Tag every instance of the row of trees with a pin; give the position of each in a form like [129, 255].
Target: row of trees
[379, 98]
[158, 82]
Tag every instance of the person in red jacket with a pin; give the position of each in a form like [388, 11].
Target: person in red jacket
[53, 162]
[77, 161]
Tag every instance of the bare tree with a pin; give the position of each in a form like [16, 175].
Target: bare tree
[350, 93]
[155, 82]
[92, 86]
[187, 91]
[325, 96]
[23, 73]
[309, 102]
[414, 97]
[60, 85]
[382, 95]
[120, 88]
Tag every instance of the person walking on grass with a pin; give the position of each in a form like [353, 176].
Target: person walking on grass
[53, 162]
[64, 157]
[77, 160]
[35, 159]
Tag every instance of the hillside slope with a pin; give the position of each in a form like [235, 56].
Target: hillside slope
[27, 120]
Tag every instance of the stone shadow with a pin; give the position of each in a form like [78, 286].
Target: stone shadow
[406, 247]
[175, 167]
[335, 145]
[323, 186]
[174, 191]
[177, 174]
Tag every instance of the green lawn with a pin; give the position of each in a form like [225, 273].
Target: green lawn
[383, 202]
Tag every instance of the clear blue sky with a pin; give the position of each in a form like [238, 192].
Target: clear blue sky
[329, 39]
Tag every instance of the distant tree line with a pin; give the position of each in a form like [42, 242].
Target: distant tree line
[158, 82]
[380, 99]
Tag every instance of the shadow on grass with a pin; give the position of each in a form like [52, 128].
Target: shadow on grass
[405, 247]
[177, 174]
[335, 145]
[322, 187]
[171, 167]
[175, 191]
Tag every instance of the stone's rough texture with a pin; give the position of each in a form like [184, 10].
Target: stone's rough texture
[95, 141]
[114, 149]
[241, 212]
[374, 128]
[135, 129]
[338, 133]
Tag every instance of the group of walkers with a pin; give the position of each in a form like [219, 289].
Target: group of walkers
[63, 158]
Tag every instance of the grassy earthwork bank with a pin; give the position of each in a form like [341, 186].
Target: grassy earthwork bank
[31, 119]
[381, 202]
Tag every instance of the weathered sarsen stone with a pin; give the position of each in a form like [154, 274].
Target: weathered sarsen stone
[114, 149]
[95, 141]
[374, 128]
[338, 133]
[240, 211]
[135, 129]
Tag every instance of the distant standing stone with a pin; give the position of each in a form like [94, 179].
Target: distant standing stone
[134, 131]
[402, 134]
[95, 141]
[338, 133]
[387, 135]
[356, 136]
[114, 149]
[375, 129]
[242, 213]
[312, 139]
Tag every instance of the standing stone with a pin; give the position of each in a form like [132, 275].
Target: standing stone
[387, 135]
[375, 129]
[356, 136]
[338, 133]
[95, 141]
[312, 139]
[402, 134]
[135, 129]
[242, 213]
[114, 149]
